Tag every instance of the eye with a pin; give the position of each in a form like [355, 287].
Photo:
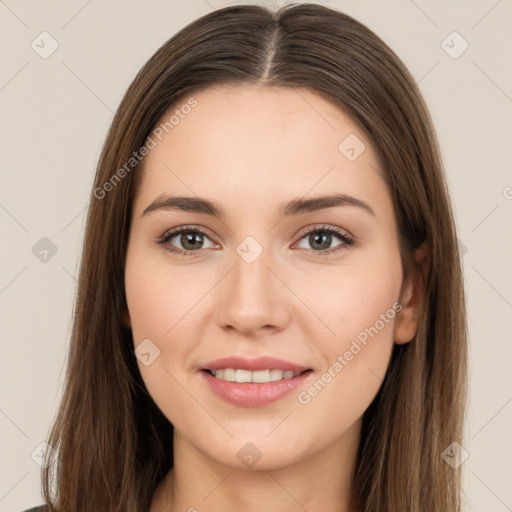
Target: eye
[321, 238]
[190, 239]
[187, 240]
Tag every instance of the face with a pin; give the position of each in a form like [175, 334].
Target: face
[264, 269]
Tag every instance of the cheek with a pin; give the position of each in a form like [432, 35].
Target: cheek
[359, 306]
[158, 295]
[350, 298]
[157, 301]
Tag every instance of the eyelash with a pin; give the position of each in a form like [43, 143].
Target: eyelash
[346, 239]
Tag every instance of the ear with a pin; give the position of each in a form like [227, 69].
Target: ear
[412, 296]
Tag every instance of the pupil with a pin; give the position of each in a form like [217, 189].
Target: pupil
[325, 237]
[188, 240]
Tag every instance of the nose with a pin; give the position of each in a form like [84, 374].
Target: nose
[253, 298]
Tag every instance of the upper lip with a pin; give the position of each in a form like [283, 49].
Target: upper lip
[260, 363]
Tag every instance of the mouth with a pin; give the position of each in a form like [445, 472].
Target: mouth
[254, 382]
[241, 376]
[258, 383]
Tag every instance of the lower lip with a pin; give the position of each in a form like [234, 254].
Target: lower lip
[249, 394]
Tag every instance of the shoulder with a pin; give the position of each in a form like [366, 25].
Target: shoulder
[41, 508]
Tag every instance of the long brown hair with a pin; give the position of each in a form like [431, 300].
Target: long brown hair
[114, 444]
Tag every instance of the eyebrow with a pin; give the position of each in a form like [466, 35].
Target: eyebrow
[292, 208]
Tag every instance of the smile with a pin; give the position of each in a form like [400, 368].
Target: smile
[251, 392]
[259, 376]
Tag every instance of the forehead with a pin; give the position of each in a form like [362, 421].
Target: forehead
[259, 143]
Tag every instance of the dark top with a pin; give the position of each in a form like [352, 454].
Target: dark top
[35, 509]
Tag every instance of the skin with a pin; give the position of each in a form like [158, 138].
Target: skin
[251, 149]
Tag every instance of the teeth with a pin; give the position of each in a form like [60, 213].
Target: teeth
[229, 374]
[260, 376]
[276, 375]
[243, 376]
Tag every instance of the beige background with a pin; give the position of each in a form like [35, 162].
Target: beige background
[55, 113]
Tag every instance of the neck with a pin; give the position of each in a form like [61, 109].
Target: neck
[321, 481]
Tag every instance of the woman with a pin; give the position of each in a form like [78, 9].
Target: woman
[270, 309]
